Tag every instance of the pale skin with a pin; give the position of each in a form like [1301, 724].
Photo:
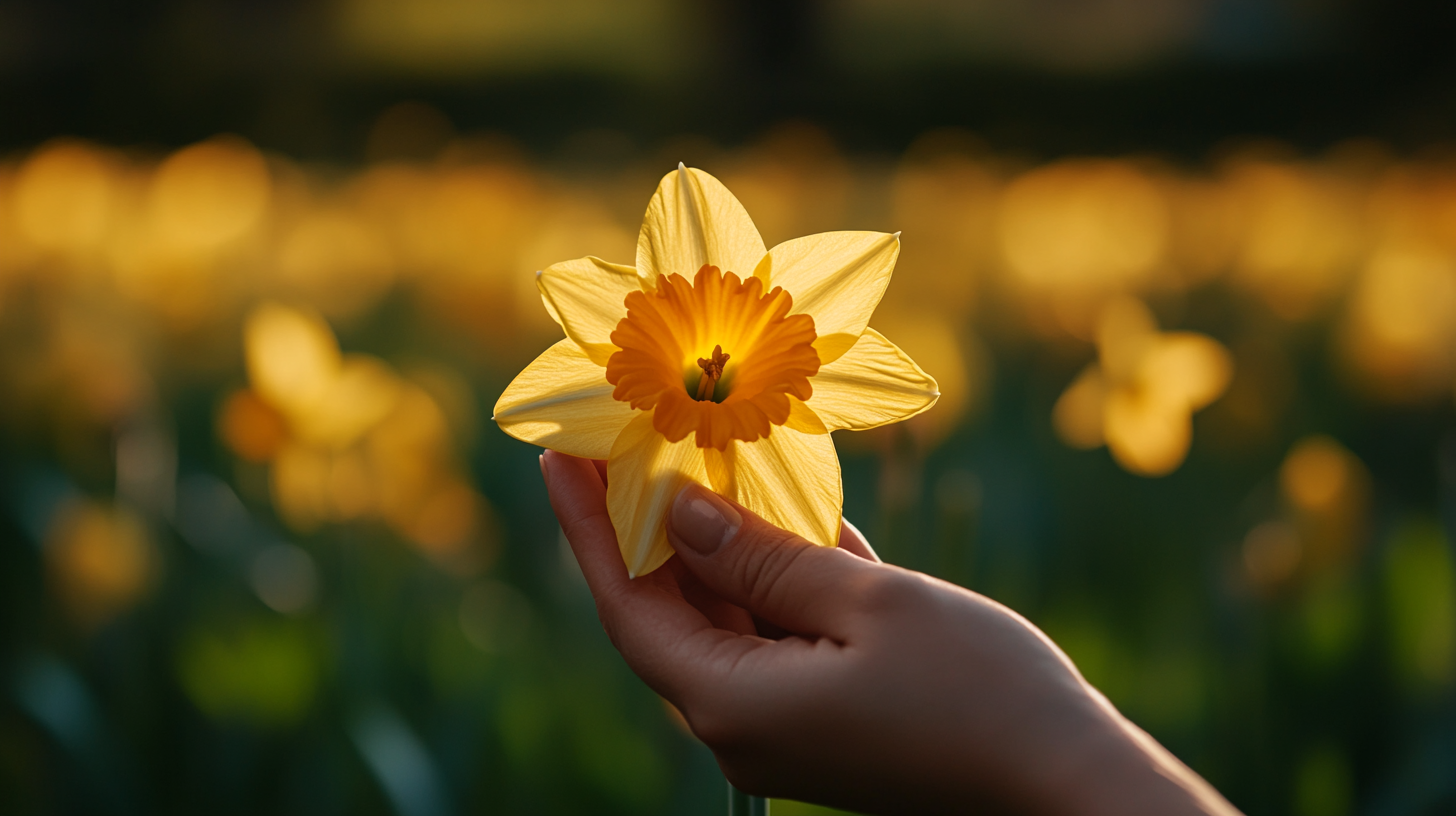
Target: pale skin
[828, 676]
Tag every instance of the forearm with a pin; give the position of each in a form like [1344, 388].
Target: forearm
[1065, 749]
[1125, 772]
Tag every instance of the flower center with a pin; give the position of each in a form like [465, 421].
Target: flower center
[712, 372]
[664, 364]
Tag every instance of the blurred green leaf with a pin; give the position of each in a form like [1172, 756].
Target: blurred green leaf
[1420, 587]
[263, 674]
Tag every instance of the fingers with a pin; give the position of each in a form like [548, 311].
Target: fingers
[719, 612]
[772, 573]
[579, 498]
[668, 642]
[852, 540]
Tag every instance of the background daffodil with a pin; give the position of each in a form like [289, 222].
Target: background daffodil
[716, 361]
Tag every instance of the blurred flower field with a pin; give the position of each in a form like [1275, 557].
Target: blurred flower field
[266, 551]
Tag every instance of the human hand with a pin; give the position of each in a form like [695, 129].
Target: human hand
[877, 689]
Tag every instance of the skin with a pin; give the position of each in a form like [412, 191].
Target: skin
[827, 676]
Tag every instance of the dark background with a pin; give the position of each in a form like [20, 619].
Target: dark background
[284, 75]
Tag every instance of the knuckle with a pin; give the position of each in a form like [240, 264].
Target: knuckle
[718, 728]
[885, 593]
[767, 571]
[609, 626]
[611, 621]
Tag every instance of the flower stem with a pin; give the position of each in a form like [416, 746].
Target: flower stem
[741, 804]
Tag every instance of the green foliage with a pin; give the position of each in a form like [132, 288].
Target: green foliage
[263, 674]
[1323, 785]
[1420, 586]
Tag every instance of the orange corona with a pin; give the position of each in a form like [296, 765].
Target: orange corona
[717, 357]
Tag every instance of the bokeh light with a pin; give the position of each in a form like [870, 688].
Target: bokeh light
[101, 560]
[64, 197]
[1139, 397]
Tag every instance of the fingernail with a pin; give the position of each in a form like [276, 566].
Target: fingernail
[702, 520]
[541, 460]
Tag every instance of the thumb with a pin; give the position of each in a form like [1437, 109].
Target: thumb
[769, 571]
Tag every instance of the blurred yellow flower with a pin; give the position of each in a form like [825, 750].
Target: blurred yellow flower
[718, 362]
[100, 561]
[347, 438]
[1139, 397]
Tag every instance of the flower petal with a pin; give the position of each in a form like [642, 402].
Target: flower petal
[873, 384]
[562, 401]
[803, 419]
[837, 278]
[586, 296]
[1186, 367]
[644, 474]
[693, 220]
[790, 479]
[1078, 414]
[1146, 435]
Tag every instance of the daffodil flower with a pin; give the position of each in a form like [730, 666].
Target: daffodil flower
[716, 361]
[1139, 397]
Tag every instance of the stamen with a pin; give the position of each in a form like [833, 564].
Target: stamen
[712, 372]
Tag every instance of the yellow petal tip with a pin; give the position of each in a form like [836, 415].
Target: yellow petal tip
[680, 166]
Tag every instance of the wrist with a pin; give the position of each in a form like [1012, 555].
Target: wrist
[1110, 766]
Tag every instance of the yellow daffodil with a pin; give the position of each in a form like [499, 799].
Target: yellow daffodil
[716, 361]
[1140, 395]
